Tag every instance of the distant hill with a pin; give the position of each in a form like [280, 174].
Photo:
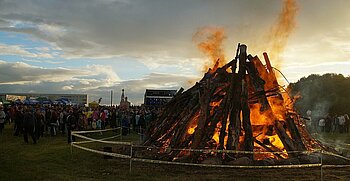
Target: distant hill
[322, 94]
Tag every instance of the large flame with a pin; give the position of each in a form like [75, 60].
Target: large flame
[280, 32]
[209, 41]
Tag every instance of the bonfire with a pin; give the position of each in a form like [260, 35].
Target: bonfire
[238, 107]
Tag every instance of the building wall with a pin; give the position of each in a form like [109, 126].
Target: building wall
[155, 97]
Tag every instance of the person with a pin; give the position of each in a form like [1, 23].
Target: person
[341, 124]
[113, 118]
[309, 122]
[103, 119]
[54, 122]
[19, 121]
[29, 125]
[328, 123]
[335, 123]
[137, 120]
[62, 121]
[39, 125]
[125, 125]
[2, 119]
[71, 125]
[347, 123]
[12, 114]
[322, 124]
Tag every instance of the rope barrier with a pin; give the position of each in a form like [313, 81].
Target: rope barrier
[225, 166]
[95, 131]
[101, 141]
[82, 142]
[336, 155]
[116, 155]
[335, 166]
[343, 146]
[101, 152]
[220, 151]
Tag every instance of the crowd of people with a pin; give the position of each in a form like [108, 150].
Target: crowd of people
[38, 120]
[337, 123]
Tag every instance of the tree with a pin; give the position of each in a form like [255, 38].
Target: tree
[322, 94]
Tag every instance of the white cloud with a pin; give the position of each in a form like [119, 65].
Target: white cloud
[20, 51]
[68, 87]
[97, 81]
[23, 73]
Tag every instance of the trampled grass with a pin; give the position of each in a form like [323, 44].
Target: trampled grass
[51, 159]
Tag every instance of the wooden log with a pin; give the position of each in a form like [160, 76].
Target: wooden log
[181, 131]
[258, 82]
[286, 140]
[271, 73]
[235, 106]
[294, 132]
[204, 114]
[169, 117]
[248, 133]
[181, 122]
[267, 148]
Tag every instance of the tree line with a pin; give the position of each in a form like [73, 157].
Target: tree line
[322, 94]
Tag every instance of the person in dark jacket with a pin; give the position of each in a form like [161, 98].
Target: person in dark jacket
[71, 125]
[39, 124]
[29, 125]
[18, 121]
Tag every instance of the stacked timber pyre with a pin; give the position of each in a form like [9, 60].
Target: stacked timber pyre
[232, 108]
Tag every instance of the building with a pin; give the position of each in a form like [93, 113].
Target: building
[155, 97]
[124, 103]
[74, 98]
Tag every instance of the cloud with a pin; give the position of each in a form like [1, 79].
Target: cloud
[104, 29]
[135, 89]
[19, 50]
[43, 61]
[157, 33]
[68, 87]
[97, 81]
[23, 73]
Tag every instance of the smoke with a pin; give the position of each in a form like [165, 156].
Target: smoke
[319, 106]
[279, 33]
[209, 41]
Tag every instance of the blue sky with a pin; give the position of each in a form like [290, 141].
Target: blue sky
[94, 46]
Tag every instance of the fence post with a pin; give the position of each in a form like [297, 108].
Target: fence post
[140, 132]
[71, 145]
[321, 165]
[130, 163]
[121, 133]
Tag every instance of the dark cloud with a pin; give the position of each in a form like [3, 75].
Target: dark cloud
[105, 28]
[97, 81]
[157, 33]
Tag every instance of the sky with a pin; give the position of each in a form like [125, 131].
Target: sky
[95, 46]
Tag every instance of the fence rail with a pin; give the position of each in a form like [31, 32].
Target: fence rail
[133, 146]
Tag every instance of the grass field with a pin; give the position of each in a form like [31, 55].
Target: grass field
[51, 159]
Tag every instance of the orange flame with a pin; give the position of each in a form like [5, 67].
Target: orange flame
[279, 33]
[209, 41]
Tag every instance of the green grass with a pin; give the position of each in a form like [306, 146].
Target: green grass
[334, 139]
[51, 159]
